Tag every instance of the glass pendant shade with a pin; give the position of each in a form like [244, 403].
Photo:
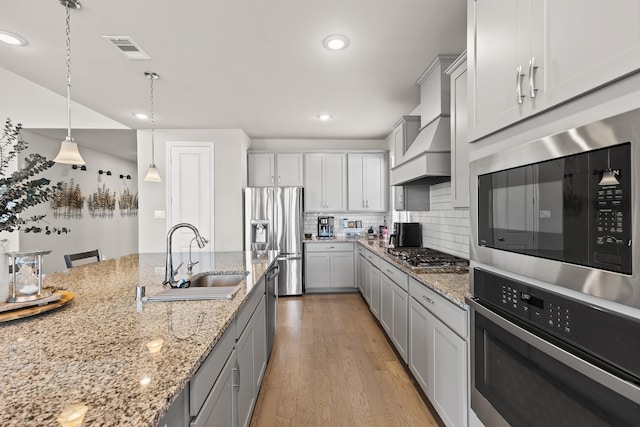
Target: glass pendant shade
[69, 153]
[152, 174]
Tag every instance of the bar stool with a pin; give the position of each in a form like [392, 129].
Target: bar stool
[70, 258]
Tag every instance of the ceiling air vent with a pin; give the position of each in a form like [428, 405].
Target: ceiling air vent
[126, 46]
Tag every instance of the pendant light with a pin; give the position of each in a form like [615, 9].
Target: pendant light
[152, 173]
[609, 176]
[69, 153]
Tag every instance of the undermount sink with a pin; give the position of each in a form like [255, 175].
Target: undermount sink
[217, 279]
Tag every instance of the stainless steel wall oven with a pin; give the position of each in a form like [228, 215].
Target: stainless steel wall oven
[555, 305]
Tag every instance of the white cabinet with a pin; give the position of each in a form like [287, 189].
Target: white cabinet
[438, 352]
[394, 305]
[362, 276]
[459, 145]
[280, 169]
[386, 303]
[366, 183]
[219, 407]
[329, 266]
[404, 132]
[289, 170]
[373, 288]
[325, 181]
[262, 169]
[526, 56]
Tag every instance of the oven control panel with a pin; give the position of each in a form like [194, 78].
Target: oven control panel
[570, 320]
[552, 315]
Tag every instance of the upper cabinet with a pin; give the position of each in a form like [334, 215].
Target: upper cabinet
[325, 177]
[526, 56]
[366, 182]
[280, 169]
[459, 145]
[403, 134]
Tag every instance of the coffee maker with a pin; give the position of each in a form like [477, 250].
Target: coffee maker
[325, 227]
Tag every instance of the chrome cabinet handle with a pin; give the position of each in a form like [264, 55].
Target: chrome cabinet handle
[429, 300]
[272, 179]
[532, 82]
[519, 77]
[233, 383]
[278, 179]
[389, 271]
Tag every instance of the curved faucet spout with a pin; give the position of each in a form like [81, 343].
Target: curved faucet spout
[169, 277]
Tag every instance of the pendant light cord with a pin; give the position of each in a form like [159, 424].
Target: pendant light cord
[68, 71]
[153, 124]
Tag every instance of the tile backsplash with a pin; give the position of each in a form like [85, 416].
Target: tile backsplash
[443, 228]
[368, 219]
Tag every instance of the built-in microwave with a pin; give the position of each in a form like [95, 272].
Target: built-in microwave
[562, 209]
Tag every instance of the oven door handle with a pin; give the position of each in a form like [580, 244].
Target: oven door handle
[608, 380]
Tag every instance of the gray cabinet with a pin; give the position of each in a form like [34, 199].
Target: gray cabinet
[438, 352]
[403, 134]
[386, 303]
[224, 390]
[279, 169]
[526, 56]
[373, 288]
[366, 182]
[325, 182]
[459, 146]
[396, 287]
[178, 413]
[329, 266]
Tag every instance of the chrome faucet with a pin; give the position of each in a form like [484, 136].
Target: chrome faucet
[169, 276]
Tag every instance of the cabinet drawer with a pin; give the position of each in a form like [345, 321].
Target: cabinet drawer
[203, 380]
[372, 258]
[250, 306]
[394, 273]
[450, 314]
[329, 247]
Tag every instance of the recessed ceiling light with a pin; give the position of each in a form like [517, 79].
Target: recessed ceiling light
[141, 116]
[324, 116]
[12, 39]
[336, 42]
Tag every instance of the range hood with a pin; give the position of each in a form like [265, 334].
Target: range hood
[427, 160]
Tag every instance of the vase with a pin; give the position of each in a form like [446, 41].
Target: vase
[4, 271]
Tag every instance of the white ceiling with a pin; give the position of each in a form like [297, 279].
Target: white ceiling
[258, 65]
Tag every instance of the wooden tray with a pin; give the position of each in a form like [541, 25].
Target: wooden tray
[65, 297]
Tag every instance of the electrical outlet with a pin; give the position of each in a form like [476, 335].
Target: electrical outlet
[159, 214]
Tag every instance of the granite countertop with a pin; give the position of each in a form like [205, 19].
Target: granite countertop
[452, 286]
[93, 351]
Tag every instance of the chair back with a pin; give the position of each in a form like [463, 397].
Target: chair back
[70, 258]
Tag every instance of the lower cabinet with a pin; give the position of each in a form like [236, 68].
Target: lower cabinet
[386, 303]
[438, 354]
[373, 288]
[224, 390]
[400, 326]
[329, 266]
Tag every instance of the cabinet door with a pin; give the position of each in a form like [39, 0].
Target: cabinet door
[317, 270]
[582, 45]
[355, 181]
[246, 385]
[374, 182]
[420, 347]
[398, 143]
[496, 68]
[178, 414]
[261, 169]
[219, 408]
[290, 170]
[260, 344]
[459, 144]
[373, 277]
[334, 182]
[398, 198]
[366, 269]
[362, 275]
[449, 394]
[342, 270]
[386, 303]
[313, 198]
[399, 328]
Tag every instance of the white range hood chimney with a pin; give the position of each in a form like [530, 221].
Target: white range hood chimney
[428, 159]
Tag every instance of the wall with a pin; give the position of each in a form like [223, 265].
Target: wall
[115, 235]
[230, 177]
[36, 107]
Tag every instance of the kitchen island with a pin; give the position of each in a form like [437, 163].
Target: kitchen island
[94, 350]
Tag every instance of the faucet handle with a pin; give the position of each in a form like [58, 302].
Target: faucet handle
[174, 272]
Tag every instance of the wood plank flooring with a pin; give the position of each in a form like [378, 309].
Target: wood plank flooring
[332, 366]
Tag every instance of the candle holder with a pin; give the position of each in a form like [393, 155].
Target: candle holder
[26, 276]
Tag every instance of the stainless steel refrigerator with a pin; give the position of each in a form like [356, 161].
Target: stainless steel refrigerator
[274, 220]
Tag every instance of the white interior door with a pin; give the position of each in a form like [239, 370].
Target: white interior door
[190, 195]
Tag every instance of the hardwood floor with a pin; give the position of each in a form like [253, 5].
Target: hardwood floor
[332, 366]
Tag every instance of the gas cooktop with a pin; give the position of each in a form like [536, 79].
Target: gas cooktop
[425, 260]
